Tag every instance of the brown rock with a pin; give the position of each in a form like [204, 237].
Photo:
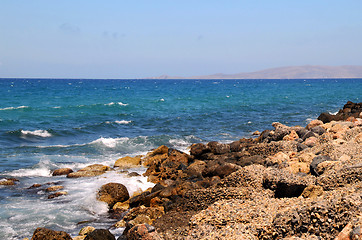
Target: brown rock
[86, 230]
[62, 171]
[128, 162]
[100, 234]
[111, 193]
[121, 206]
[313, 124]
[89, 171]
[218, 148]
[57, 194]
[7, 182]
[36, 185]
[312, 191]
[54, 188]
[311, 141]
[47, 234]
[198, 149]
[291, 136]
[143, 232]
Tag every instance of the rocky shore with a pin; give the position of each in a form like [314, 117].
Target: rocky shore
[291, 182]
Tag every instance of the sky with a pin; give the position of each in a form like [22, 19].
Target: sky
[144, 38]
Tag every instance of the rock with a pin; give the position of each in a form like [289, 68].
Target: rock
[143, 232]
[358, 138]
[36, 185]
[291, 136]
[317, 160]
[133, 174]
[111, 193]
[8, 181]
[198, 149]
[325, 166]
[89, 171]
[54, 188]
[47, 234]
[311, 141]
[298, 167]
[140, 219]
[196, 168]
[256, 133]
[352, 231]
[308, 135]
[284, 184]
[218, 148]
[128, 162]
[57, 194]
[86, 230]
[219, 168]
[313, 124]
[62, 171]
[100, 234]
[312, 191]
[121, 206]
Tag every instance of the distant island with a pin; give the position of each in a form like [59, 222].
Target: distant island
[293, 72]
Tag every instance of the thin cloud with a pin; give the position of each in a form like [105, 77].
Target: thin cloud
[69, 28]
[113, 35]
[200, 37]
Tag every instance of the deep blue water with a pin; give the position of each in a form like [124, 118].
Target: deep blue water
[50, 123]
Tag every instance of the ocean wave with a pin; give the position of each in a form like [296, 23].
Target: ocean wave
[13, 108]
[109, 142]
[37, 133]
[116, 103]
[123, 122]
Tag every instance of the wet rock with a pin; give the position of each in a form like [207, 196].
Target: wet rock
[133, 174]
[196, 168]
[111, 193]
[57, 194]
[100, 234]
[127, 162]
[8, 181]
[62, 171]
[36, 185]
[86, 230]
[46, 234]
[89, 171]
[54, 188]
[121, 206]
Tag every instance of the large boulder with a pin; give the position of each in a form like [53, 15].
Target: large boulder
[48, 234]
[111, 193]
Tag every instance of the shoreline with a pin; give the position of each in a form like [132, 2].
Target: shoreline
[302, 182]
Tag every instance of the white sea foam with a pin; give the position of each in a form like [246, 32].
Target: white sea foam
[123, 122]
[333, 113]
[109, 142]
[13, 108]
[116, 103]
[38, 133]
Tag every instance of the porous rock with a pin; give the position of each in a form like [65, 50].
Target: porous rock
[47, 234]
[111, 193]
[100, 234]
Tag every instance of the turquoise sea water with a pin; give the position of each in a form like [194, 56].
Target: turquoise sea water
[50, 123]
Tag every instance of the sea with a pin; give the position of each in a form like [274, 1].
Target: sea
[47, 124]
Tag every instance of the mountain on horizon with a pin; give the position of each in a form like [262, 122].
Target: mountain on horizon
[292, 72]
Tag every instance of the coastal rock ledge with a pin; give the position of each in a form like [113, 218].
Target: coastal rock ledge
[290, 182]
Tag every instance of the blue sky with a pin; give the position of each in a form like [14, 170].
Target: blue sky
[138, 39]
